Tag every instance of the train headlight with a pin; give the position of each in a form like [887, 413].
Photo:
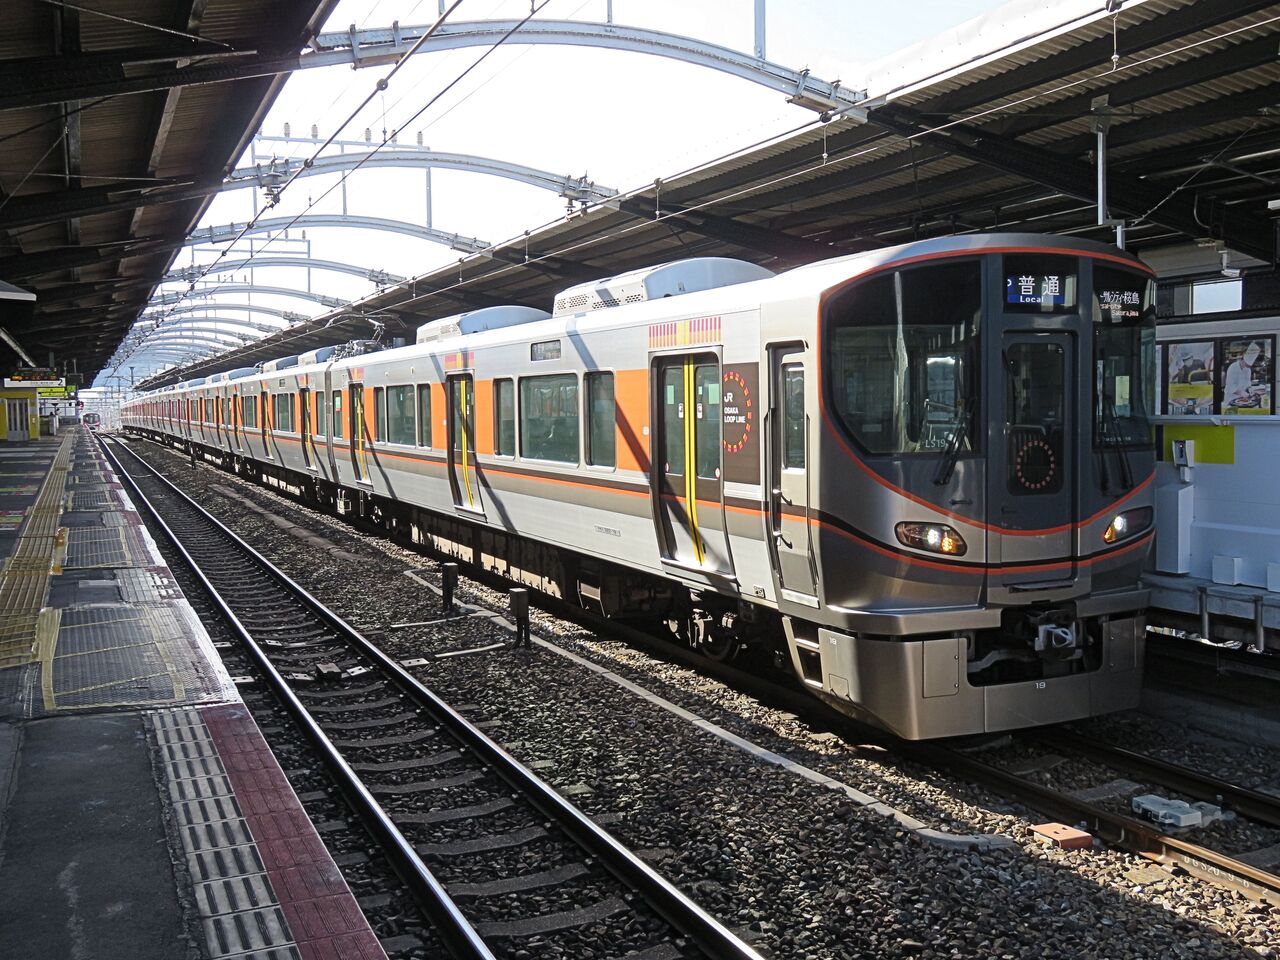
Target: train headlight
[934, 537]
[1127, 524]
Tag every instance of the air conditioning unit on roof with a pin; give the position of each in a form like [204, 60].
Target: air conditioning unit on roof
[653, 283]
[476, 321]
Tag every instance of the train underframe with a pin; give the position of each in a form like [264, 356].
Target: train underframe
[918, 686]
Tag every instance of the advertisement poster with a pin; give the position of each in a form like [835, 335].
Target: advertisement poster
[1189, 378]
[1248, 375]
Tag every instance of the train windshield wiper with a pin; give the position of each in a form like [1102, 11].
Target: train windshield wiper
[1111, 429]
[947, 465]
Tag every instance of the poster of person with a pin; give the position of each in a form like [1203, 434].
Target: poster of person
[1248, 375]
[1188, 385]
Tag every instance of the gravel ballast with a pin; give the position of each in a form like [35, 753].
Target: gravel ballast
[800, 868]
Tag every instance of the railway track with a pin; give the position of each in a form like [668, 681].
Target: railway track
[1117, 829]
[501, 864]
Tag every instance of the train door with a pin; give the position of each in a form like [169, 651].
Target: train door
[264, 408]
[359, 431]
[1032, 490]
[304, 428]
[788, 456]
[687, 483]
[333, 419]
[461, 442]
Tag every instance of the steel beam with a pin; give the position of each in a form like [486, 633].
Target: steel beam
[1131, 197]
[288, 316]
[217, 288]
[274, 172]
[773, 243]
[198, 271]
[37, 81]
[233, 230]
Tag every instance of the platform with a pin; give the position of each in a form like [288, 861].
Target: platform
[141, 812]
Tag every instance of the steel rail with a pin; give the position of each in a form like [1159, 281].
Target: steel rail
[1249, 803]
[682, 913]
[1114, 828]
[459, 937]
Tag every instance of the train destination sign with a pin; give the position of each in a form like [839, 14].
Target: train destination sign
[1045, 290]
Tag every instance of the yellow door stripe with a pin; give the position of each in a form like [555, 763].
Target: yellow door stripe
[462, 421]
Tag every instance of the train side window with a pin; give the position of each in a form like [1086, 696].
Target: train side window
[549, 418]
[706, 427]
[249, 412]
[379, 414]
[322, 410]
[284, 412]
[337, 413]
[400, 425]
[504, 414]
[793, 417]
[424, 415]
[602, 419]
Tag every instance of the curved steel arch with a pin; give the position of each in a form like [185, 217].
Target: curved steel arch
[233, 230]
[276, 172]
[205, 292]
[197, 323]
[178, 340]
[288, 316]
[197, 271]
[368, 48]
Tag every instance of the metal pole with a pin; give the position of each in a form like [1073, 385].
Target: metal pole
[760, 28]
[1102, 174]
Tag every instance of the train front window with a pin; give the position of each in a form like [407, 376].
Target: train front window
[1124, 357]
[902, 350]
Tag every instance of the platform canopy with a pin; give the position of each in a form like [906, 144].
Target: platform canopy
[99, 110]
[990, 127]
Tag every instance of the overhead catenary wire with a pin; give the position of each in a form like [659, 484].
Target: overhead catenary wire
[1110, 70]
[381, 85]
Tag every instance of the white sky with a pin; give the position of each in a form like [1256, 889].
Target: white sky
[621, 118]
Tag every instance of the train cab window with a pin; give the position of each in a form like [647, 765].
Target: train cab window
[504, 418]
[549, 418]
[379, 414]
[1124, 346]
[337, 413]
[903, 356]
[793, 417]
[424, 414]
[602, 418]
[400, 425]
[1035, 387]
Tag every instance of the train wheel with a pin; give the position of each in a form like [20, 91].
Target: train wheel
[721, 645]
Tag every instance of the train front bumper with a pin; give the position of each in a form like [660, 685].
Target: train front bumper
[919, 689]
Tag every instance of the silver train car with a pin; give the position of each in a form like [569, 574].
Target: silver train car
[921, 476]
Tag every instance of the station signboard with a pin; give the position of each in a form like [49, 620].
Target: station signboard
[34, 377]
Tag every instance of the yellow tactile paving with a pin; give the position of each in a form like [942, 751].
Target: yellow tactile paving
[24, 580]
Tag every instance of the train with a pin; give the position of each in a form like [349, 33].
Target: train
[918, 479]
